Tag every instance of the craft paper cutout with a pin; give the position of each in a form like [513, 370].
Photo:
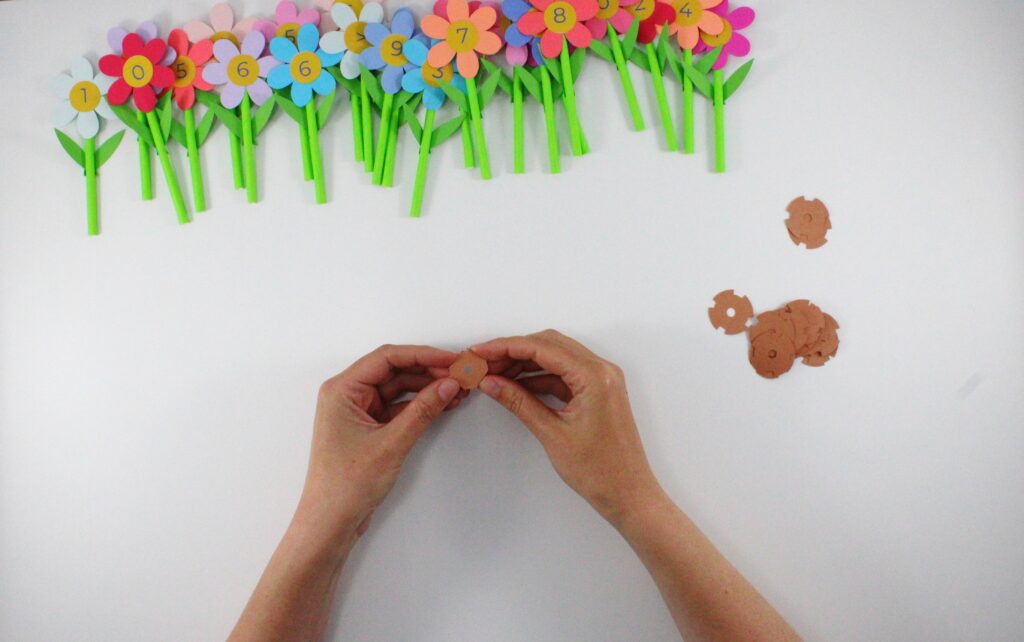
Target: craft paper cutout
[287, 22]
[469, 370]
[730, 312]
[221, 26]
[808, 222]
[351, 40]
[146, 30]
[730, 40]
[692, 19]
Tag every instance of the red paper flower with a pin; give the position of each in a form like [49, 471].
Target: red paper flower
[188, 67]
[556, 21]
[138, 72]
[653, 15]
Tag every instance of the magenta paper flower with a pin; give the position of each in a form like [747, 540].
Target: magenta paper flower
[287, 20]
[222, 25]
[241, 70]
[732, 42]
[612, 11]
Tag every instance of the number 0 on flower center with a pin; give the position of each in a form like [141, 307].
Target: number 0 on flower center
[138, 71]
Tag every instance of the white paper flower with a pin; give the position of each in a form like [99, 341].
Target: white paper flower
[351, 39]
[82, 97]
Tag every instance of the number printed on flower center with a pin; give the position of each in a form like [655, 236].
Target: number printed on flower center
[305, 67]
[225, 35]
[642, 9]
[720, 39]
[560, 17]
[184, 71]
[138, 71]
[391, 50]
[84, 96]
[243, 70]
[688, 12]
[606, 9]
[355, 37]
[288, 30]
[462, 36]
[433, 76]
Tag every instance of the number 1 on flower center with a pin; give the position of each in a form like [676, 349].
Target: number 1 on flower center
[84, 96]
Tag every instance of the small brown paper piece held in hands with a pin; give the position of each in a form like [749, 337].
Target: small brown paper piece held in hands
[741, 309]
[808, 222]
[469, 370]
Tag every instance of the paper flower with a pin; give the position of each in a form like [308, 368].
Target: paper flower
[188, 67]
[694, 18]
[652, 15]
[146, 30]
[287, 21]
[519, 47]
[425, 78]
[556, 21]
[222, 25]
[82, 99]
[730, 40]
[138, 71]
[462, 34]
[303, 67]
[351, 40]
[610, 11]
[241, 71]
[386, 49]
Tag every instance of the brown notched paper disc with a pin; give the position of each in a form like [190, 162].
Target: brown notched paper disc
[773, 322]
[808, 322]
[469, 370]
[719, 313]
[771, 355]
[826, 346]
[808, 222]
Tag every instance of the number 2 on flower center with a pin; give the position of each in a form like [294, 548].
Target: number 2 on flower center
[642, 9]
[462, 36]
[560, 17]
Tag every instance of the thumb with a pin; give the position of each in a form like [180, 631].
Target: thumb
[426, 406]
[539, 418]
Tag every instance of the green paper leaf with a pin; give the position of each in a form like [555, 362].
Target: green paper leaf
[528, 81]
[576, 61]
[178, 133]
[640, 60]
[108, 148]
[205, 126]
[551, 64]
[372, 86]
[455, 95]
[670, 56]
[736, 79]
[699, 80]
[71, 147]
[402, 98]
[504, 81]
[409, 115]
[224, 115]
[446, 131]
[164, 115]
[660, 49]
[629, 40]
[290, 108]
[601, 50]
[323, 112]
[127, 116]
[488, 88]
[704, 64]
[262, 115]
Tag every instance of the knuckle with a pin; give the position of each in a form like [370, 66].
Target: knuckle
[550, 333]
[424, 413]
[515, 402]
[611, 375]
[384, 347]
[328, 389]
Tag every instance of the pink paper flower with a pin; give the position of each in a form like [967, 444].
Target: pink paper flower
[730, 40]
[287, 21]
[188, 67]
[558, 21]
[610, 11]
[222, 25]
[693, 18]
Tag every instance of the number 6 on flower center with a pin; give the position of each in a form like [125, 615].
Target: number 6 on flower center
[462, 36]
[305, 67]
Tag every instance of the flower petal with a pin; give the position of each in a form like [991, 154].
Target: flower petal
[516, 38]
[309, 38]
[232, 95]
[415, 51]
[440, 55]
[435, 26]
[63, 114]
[484, 18]
[433, 98]
[741, 18]
[515, 55]
[201, 52]
[88, 124]
[281, 48]
[244, 28]
[267, 64]
[119, 92]
[216, 73]
[403, 22]
[514, 9]
[199, 83]
[301, 94]
[532, 23]
[115, 38]
[620, 21]
[147, 30]
[325, 83]
[376, 33]
[259, 91]
[280, 77]
[342, 15]
[177, 40]
[551, 44]
[184, 97]
[254, 44]
[155, 50]
[372, 12]
[371, 58]
[334, 41]
[196, 30]
[222, 18]
[457, 10]
[711, 23]
[350, 65]
[132, 45]
[103, 82]
[81, 69]
[104, 110]
[391, 79]
[286, 12]
[488, 43]
[162, 77]
[585, 9]
[112, 65]
[688, 36]
[308, 17]
[144, 97]
[468, 63]
[328, 59]
[710, 4]
[413, 82]
[598, 27]
[579, 36]
[738, 45]
[61, 85]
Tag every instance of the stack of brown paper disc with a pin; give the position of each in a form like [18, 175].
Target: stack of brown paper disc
[799, 329]
[808, 222]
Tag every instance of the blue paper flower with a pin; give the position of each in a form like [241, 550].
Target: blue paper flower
[304, 68]
[387, 49]
[426, 79]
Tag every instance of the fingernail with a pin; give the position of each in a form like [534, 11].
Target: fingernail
[489, 386]
[448, 389]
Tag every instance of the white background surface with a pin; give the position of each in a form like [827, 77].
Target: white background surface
[157, 383]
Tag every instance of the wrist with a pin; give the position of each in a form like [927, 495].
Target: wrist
[645, 500]
[322, 528]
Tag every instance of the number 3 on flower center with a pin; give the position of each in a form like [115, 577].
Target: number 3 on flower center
[391, 50]
[305, 67]
[462, 36]
[559, 17]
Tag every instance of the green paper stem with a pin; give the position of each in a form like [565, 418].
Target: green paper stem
[145, 168]
[307, 160]
[92, 208]
[468, 157]
[192, 145]
[478, 128]
[518, 162]
[421, 165]
[389, 158]
[357, 127]
[169, 175]
[236, 160]
[688, 142]
[382, 138]
[250, 158]
[719, 96]
[314, 153]
[570, 101]
[367, 120]
[549, 121]
[659, 93]
[625, 79]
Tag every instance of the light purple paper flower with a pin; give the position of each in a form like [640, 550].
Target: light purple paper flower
[241, 71]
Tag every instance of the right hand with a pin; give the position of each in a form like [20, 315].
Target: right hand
[592, 441]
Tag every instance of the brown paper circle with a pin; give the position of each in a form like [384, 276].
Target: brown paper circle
[742, 311]
[771, 355]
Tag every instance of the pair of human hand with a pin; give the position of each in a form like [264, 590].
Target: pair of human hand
[366, 425]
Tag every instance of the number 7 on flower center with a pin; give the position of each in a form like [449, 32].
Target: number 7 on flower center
[462, 36]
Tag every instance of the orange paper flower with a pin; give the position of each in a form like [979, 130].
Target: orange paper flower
[188, 67]
[693, 18]
[461, 35]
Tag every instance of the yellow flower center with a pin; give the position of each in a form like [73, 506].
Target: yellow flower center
[225, 35]
[355, 37]
[305, 67]
[84, 96]
[433, 76]
[243, 70]
[607, 8]
[642, 9]
[391, 50]
[184, 71]
[688, 12]
[720, 39]
[462, 36]
[357, 5]
[138, 71]
[288, 30]
[559, 17]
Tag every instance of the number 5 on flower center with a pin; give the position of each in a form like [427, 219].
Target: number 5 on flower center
[462, 36]
[560, 17]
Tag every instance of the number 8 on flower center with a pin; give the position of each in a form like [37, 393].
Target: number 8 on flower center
[305, 67]
[462, 36]
[559, 17]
